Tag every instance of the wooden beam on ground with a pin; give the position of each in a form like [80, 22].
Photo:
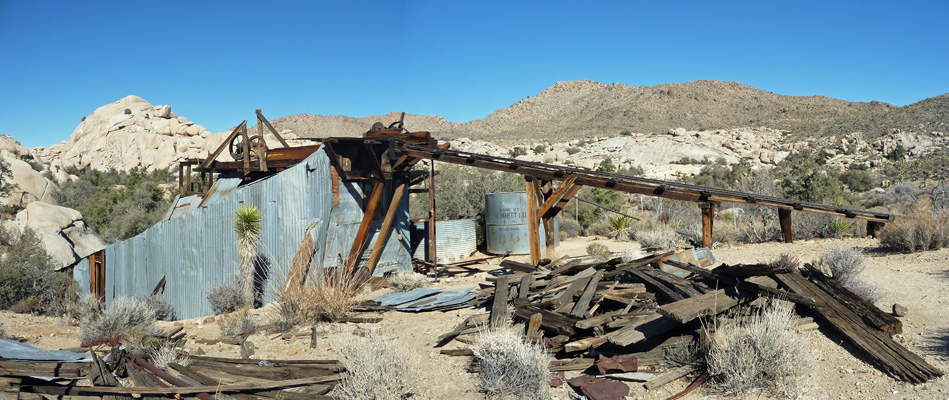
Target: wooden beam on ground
[784, 217]
[708, 218]
[383, 236]
[871, 315]
[250, 386]
[360, 241]
[583, 304]
[499, 305]
[887, 354]
[533, 220]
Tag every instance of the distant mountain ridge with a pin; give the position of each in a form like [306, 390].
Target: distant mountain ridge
[574, 109]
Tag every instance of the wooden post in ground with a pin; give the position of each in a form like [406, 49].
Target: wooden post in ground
[708, 217]
[533, 220]
[432, 250]
[784, 215]
[873, 228]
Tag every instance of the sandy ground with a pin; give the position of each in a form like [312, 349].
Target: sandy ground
[918, 281]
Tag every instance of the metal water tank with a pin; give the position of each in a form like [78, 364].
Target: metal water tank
[505, 220]
[454, 239]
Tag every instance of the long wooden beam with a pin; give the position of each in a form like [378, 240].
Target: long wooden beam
[559, 197]
[383, 236]
[360, 241]
[630, 184]
[207, 162]
[533, 219]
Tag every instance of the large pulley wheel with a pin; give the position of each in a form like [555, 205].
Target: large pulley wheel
[236, 147]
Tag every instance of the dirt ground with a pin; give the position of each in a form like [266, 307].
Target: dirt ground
[918, 281]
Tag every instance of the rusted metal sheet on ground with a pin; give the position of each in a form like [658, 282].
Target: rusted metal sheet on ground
[427, 299]
[198, 250]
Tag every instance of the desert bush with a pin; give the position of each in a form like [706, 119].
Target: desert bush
[660, 236]
[686, 354]
[237, 323]
[539, 149]
[607, 166]
[164, 310]
[803, 176]
[840, 227]
[329, 295]
[407, 281]
[168, 353]
[378, 369]
[921, 228]
[28, 277]
[758, 353]
[719, 174]
[511, 367]
[226, 297]
[857, 180]
[140, 340]
[517, 151]
[599, 251]
[123, 315]
[573, 150]
[760, 226]
[845, 265]
[569, 227]
[786, 262]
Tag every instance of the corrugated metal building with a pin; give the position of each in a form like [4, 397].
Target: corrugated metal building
[196, 248]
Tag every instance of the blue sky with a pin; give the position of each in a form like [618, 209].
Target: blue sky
[215, 62]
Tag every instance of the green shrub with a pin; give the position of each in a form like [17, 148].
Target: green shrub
[857, 180]
[28, 275]
[517, 151]
[920, 228]
[804, 177]
[226, 296]
[625, 133]
[573, 150]
[607, 166]
[539, 149]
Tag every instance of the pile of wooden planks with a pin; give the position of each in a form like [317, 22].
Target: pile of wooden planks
[206, 378]
[588, 310]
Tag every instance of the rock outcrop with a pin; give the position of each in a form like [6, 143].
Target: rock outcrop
[65, 236]
[30, 184]
[127, 134]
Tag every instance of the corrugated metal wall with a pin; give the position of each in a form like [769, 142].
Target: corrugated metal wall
[197, 250]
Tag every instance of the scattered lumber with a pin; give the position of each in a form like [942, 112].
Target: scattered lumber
[888, 355]
[873, 316]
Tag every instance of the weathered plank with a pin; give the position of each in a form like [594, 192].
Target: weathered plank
[887, 354]
[551, 321]
[583, 303]
[871, 314]
[499, 305]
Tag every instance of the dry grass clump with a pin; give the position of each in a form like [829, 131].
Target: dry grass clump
[599, 251]
[845, 265]
[759, 353]
[237, 323]
[226, 297]
[786, 262]
[378, 369]
[407, 281]
[326, 296]
[511, 367]
[923, 228]
[167, 354]
[659, 236]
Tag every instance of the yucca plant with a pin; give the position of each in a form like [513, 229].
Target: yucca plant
[247, 222]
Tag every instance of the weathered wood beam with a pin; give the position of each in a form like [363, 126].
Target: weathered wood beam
[533, 220]
[360, 241]
[708, 218]
[260, 118]
[559, 194]
[207, 162]
[383, 236]
[784, 216]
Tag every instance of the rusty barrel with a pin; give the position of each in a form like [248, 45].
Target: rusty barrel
[505, 220]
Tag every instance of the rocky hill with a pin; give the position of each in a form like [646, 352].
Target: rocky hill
[586, 108]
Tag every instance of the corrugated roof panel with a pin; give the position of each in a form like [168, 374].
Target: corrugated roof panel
[197, 250]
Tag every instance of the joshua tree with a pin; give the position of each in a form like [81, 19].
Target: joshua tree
[247, 221]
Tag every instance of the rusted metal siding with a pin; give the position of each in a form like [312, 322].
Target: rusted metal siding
[197, 250]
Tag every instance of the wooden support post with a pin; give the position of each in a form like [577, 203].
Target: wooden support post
[360, 240]
[533, 220]
[188, 178]
[432, 250]
[181, 180]
[708, 217]
[784, 215]
[383, 236]
[246, 149]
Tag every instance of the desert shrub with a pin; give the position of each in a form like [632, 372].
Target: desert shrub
[685, 354]
[786, 262]
[845, 265]
[517, 151]
[124, 314]
[168, 353]
[720, 174]
[759, 353]
[660, 236]
[840, 227]
[117, 204]
[599, 251]
[619, 226]
[237, 323]
[407, 281]
[511, 367]
[28, 277]
[857, 180]
[378, 369]
[920, 228]
[573, 150]
[633, 170]
[607, 166]
[569, 227]
[3, 333]
[140, 340]
[804, 176]
[625, 133]
[329, 295]
[539, 149]
[226, 296]
[760, 226]
[164, 310]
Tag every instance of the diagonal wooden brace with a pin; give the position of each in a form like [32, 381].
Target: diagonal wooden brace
[559, 198]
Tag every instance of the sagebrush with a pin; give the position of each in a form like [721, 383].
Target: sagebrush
[921, 227]
[378, 368]
[237, 324]
[125, 317]
[845, 265]
[758, 353]
[511, 367]
[226, 296]
[404, 282]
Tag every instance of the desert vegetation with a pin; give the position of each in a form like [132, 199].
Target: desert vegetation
[28, 279]
[378, 368]
[511, 367]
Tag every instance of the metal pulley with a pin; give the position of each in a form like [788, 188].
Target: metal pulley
[236, 146]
